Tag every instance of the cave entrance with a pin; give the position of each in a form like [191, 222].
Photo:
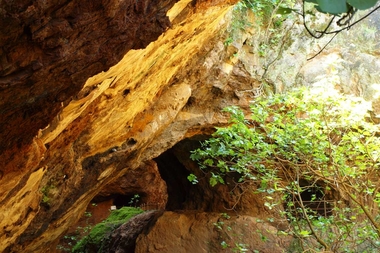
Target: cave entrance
[312, 198]
[174, 173]
[133, 200]
[120, 200]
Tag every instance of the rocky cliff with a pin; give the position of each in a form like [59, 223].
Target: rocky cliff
[69, 135]
[62, 142]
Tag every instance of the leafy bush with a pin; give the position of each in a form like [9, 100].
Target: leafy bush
[100, 233]
[268, 14]
[262, 9]
[324, 139]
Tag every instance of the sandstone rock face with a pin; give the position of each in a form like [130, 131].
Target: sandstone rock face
[210, 232]
[145, 182]
[186, 231]
[121, 118]
[50, 48]
[142, 187]
[64, 143]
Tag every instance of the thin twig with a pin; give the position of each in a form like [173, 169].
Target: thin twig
[323, 48]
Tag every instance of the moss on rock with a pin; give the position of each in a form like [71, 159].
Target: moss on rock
[99, 235]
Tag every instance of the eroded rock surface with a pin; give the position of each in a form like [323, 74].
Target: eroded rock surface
[205, 232]
[48, 49]
[142, 187]
[121, 118]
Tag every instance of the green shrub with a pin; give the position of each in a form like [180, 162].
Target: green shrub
[324, 139]
[99, 234]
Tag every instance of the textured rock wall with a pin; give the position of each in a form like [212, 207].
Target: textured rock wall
[120, 118]
[204, 232]
[348, 64]
[153, 98]
[48, 49]
[145, 181]
[184, 231]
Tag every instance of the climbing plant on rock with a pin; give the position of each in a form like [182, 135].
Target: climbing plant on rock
[299, 143]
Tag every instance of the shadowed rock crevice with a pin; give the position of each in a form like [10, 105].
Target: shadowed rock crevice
[175, 166]
[142, 187]
[175, 175]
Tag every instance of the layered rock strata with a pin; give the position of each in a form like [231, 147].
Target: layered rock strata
[142, 106]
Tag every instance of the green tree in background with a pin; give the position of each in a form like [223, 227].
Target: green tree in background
[291, 145]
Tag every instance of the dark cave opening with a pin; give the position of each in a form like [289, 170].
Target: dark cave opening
[133, 200]
[175, 165]
[121, 200]
[312, 198]
[175, 175]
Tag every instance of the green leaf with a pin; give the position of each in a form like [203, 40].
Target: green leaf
[209, 162]
[362, 4]
[332, 6]
[304, 233]
[224, 245]
[284, 10]
[269, 205]
[282, 233]
[192, 178]
[213, 181]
